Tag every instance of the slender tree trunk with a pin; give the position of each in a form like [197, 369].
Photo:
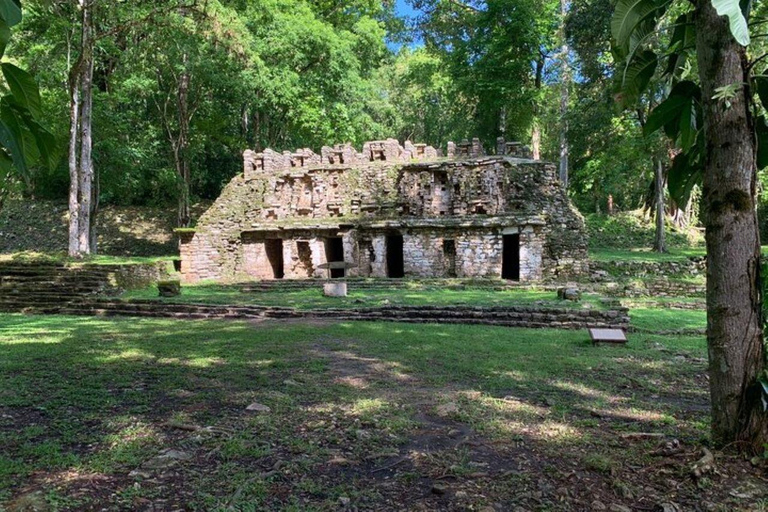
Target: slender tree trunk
[734, 316]
[659, 242]
[182, 159]
[536, 130]
[536, 140]
[95, 194]
[74, 168]
[5, 189]
[564, 98]
[85, 177]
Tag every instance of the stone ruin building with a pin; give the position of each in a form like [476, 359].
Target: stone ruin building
[389, 210]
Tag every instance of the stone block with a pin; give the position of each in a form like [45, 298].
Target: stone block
[569, 293]
[171, 288]
[335, 289]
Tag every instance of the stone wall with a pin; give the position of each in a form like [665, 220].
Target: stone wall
[133, 276]
[659, 287]
[605, 270]
[453, 215]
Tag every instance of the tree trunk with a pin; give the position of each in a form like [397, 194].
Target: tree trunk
[734, 315]
[182, 157]
[95, 194]
[74, 168]
[5, 189]
[536, 130]
[659, 242]
[85, 133]
[536, 140]
[565, 91]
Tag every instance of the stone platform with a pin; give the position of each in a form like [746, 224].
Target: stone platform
[520, 316]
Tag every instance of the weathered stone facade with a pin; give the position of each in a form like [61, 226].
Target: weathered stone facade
[389, 211]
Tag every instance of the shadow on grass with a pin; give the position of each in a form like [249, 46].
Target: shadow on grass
[84, 402]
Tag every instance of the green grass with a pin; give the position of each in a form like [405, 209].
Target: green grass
[413, 295]
[656, 320]
[96, 260]
[635, 229]
[87, 400]
[645, 254]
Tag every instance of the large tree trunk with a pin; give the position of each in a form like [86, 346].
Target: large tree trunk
[734, 319]
[659, 242]
[85, 177]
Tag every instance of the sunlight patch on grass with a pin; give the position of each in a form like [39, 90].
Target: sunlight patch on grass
[557, 432]
[126, 448]
[367, 406]
[515, 375]
[582, 390]
[133, 354]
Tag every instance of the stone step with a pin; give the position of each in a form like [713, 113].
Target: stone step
[63, 276]
[50, 290]
[368, 285]
[38, 270]
[512, 317]
[57, 284]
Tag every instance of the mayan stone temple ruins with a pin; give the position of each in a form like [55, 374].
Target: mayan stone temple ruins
[390, 210]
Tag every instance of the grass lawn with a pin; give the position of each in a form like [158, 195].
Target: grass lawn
[414, 294]
[645, 254]
[655, 320]
[27, 257]
[131, 414]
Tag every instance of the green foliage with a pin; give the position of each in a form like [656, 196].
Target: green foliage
[269, 73]
[23, 140]
[610, 156]
[493, 50]
[631, 230]
[738, 23]
[680, 112]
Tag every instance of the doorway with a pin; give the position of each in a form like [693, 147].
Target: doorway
[395, 258]
[334, 253]
[274, 249]
[510, 268]
[449, 253]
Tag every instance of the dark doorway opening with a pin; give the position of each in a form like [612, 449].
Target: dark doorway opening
[395, 259]
[449, 252]
[510, 268]
[305, 257]
[334, 253]
[274, 250]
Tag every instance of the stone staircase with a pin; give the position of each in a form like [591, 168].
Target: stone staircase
[47, 287]
[287, 285]
[520, 316]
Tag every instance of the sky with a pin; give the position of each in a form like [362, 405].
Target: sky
[403, 8]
